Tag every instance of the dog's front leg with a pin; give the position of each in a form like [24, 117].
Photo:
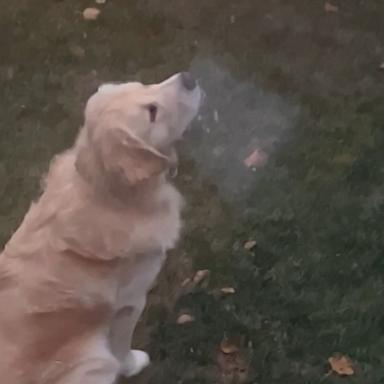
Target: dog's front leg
[132, 361]
[135, 282]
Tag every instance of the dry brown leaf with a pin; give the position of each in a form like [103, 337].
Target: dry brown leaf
[229, 346]
[185, 318]
[342, 365]
[255, 159]
[248, 245]
[200, 276]
[330, 8]
[228, 290]
[91, 13]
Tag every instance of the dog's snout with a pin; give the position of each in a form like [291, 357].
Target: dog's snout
[188, 81]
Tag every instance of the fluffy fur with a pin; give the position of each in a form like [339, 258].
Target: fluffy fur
[74, 276]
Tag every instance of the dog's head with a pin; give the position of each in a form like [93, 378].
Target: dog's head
[130, 129]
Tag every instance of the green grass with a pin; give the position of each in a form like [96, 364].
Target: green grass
[314, 283]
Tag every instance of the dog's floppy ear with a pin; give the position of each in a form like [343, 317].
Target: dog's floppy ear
[113, 155]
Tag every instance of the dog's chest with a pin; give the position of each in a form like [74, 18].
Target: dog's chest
[136, 276]
[150, 234]
[152, 228]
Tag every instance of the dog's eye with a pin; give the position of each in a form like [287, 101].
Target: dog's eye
[152, 109]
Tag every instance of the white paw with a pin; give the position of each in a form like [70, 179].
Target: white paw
[134, 363]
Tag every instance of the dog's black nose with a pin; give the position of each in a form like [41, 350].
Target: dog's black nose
[188, 81]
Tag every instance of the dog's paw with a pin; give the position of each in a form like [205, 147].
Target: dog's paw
[134, 363]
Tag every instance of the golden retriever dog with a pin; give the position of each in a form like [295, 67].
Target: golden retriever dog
[74, 276]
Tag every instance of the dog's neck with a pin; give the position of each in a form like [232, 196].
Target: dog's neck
[118, 192]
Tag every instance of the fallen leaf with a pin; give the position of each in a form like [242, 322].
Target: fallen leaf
[255, 159]
[201, 275]
[91, 13]
[342, 365]
[248, 245]
[185, 318]
[228, 290]
[229, 345]
[330, 8]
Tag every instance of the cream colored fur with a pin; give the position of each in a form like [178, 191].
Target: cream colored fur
[74, 276]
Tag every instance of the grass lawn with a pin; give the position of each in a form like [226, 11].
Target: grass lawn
[298, 80]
